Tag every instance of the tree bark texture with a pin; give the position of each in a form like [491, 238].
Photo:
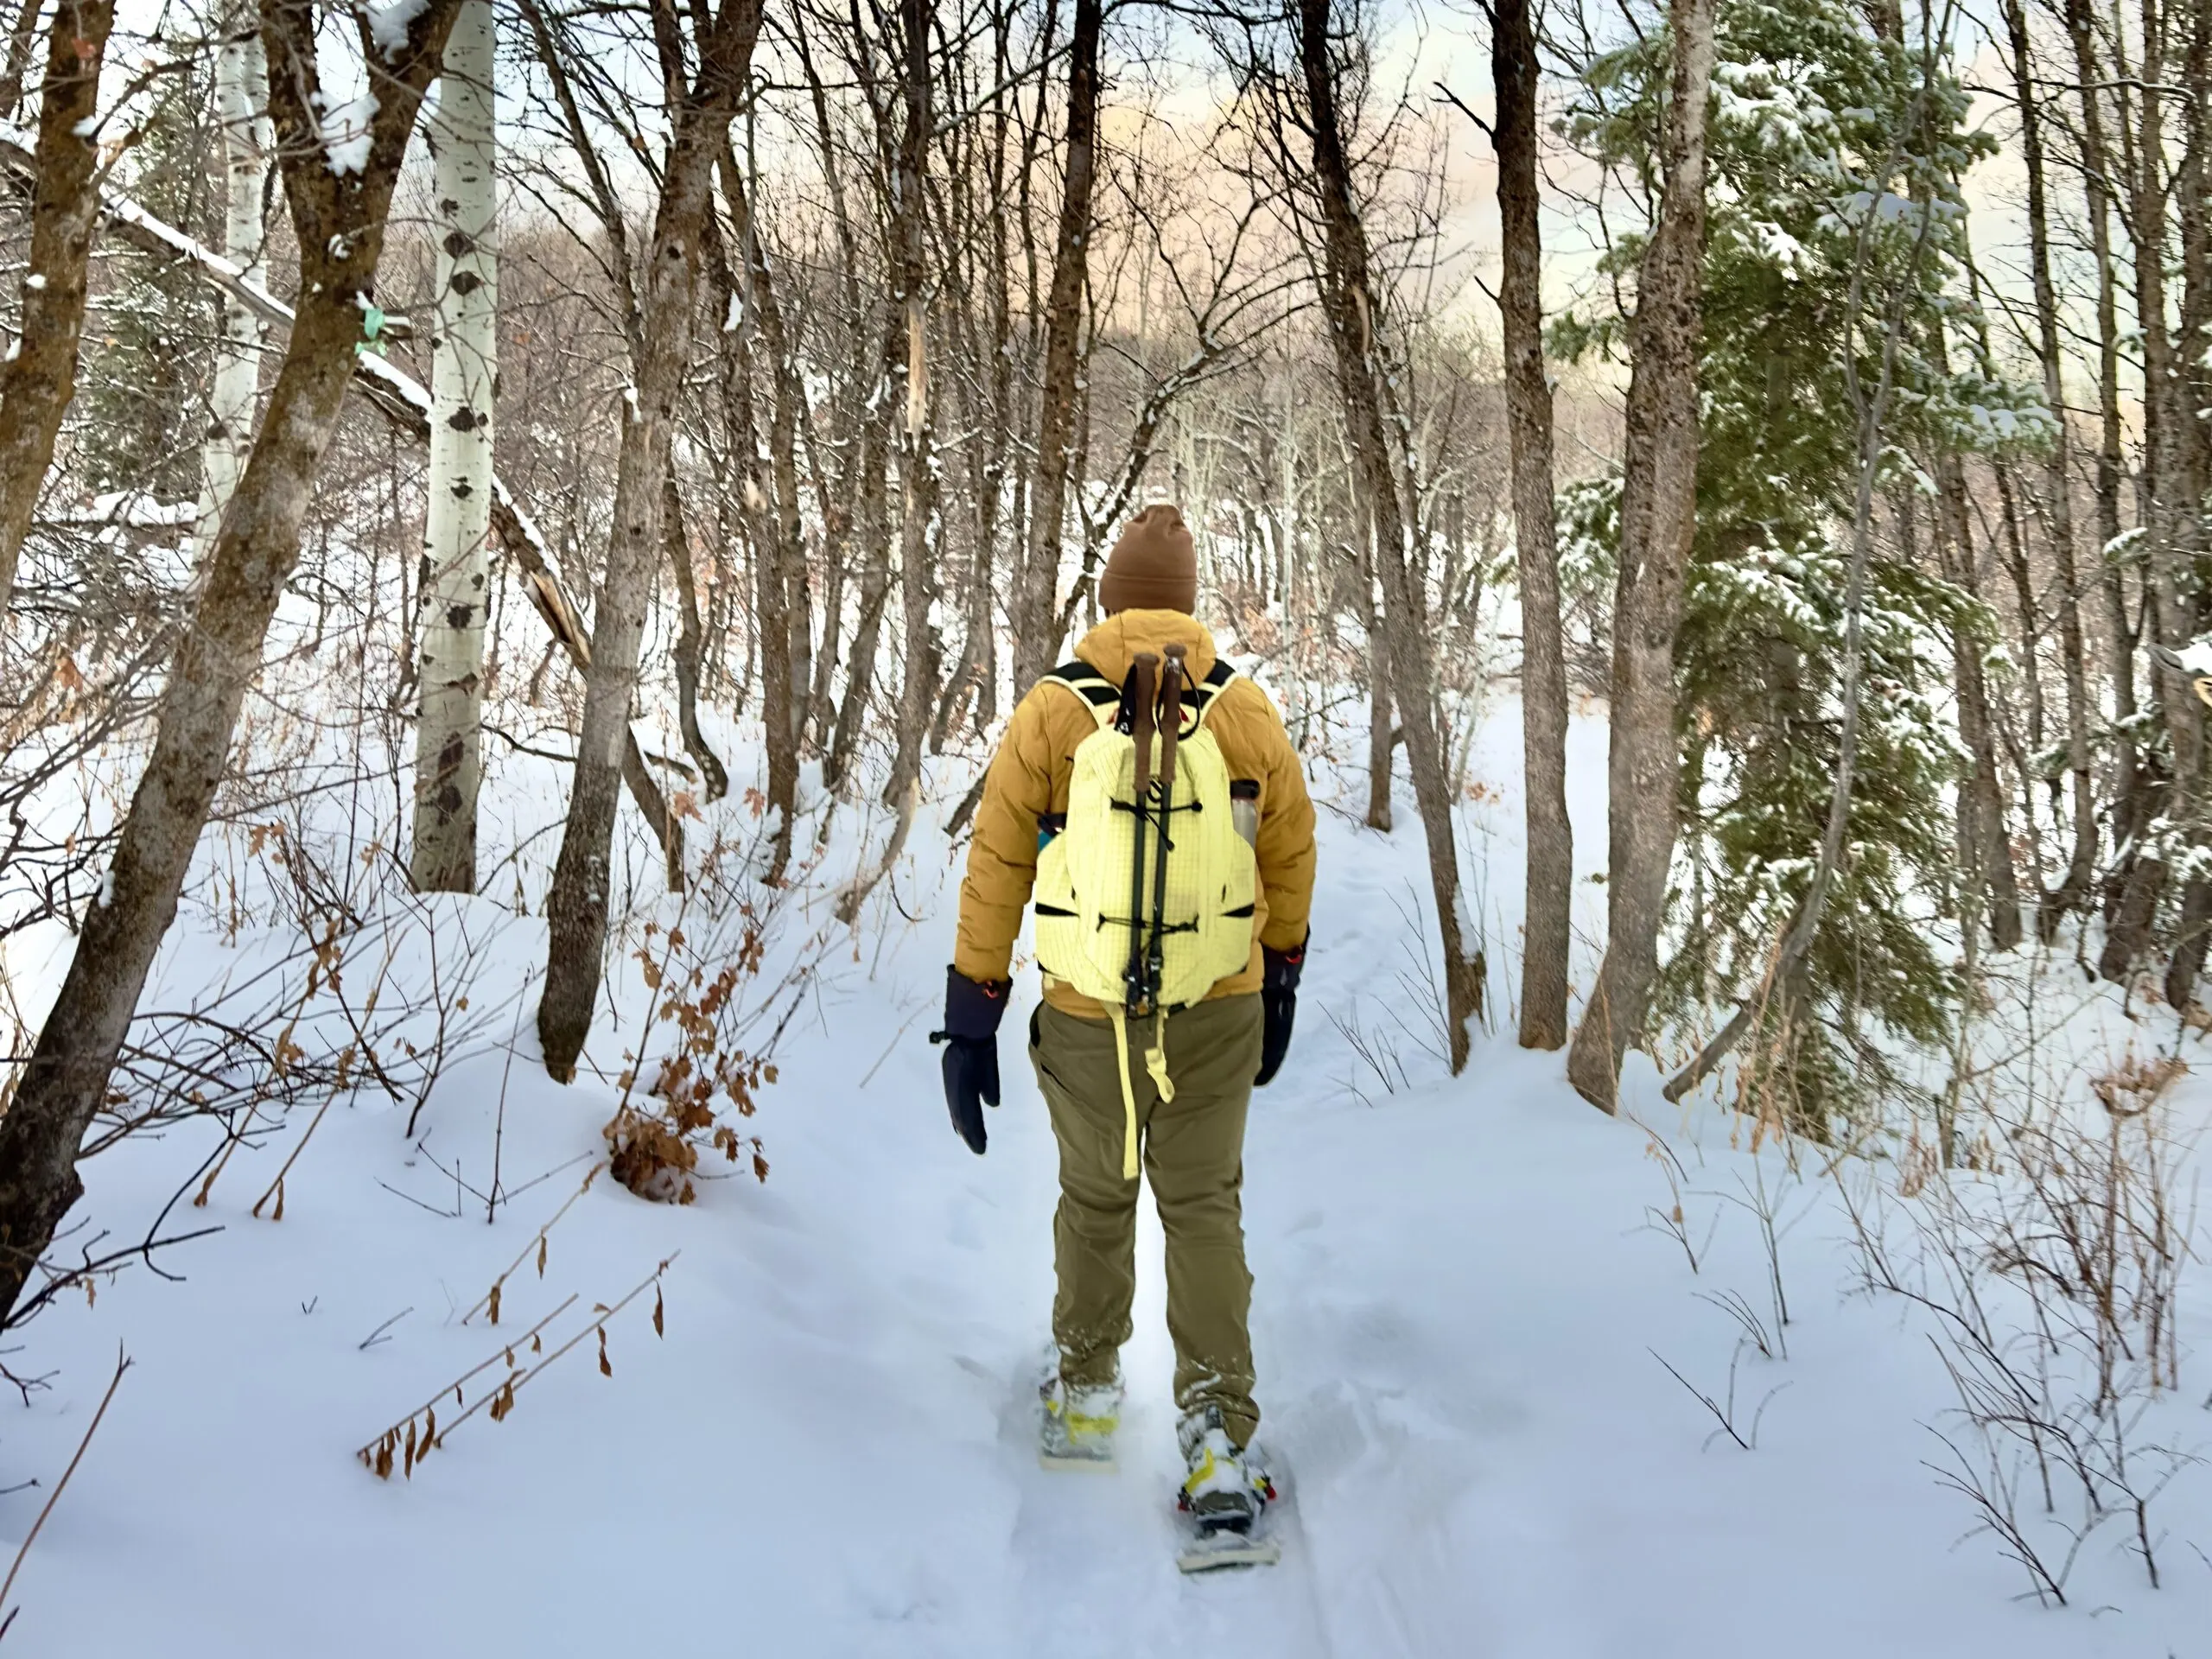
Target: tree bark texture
[1982, 831]
[464, 377]
[340, 219]
[2191, 486]
[781, 599]
[917, 478]
[37, 383]
[249, 139]
[1382, 727]
[690, 641]
[1545, 940]
[576, 908]
[405, 407]
[1658, 520]
[2072, 894]
[1037, 624]
[2131, 813]
[872, 517]
[1350, 302]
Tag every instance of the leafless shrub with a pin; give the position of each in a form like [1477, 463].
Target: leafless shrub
[1726, 1410]
[2052, 1288]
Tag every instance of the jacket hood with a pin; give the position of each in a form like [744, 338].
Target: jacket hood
[1113, 643]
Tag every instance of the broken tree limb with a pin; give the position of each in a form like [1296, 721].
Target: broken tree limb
[405, 404]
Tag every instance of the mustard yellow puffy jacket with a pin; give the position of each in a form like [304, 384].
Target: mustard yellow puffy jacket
[1029, 778]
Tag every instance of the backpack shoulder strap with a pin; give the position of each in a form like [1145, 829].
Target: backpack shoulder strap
[1101, 695]
[1217, 681]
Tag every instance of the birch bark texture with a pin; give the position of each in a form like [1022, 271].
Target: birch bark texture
[1658, 520]
[462, 134]
[249, 139]
[582, 874]
[340, 220]
[39, 378]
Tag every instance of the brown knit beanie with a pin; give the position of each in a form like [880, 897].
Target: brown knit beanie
[1153, 566]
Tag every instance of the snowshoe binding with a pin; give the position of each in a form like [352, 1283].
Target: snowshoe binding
[1225, 1499]
[1075, 1427]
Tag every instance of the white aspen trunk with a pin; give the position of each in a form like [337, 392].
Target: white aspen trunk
[249, 141]
[464, 366]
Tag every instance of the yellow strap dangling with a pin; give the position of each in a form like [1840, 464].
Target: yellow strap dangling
[1155, 1058]
[1129, 1098]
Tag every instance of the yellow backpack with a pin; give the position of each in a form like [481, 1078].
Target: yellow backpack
[1145, 943]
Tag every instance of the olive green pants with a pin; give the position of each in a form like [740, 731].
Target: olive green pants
[1193, 1149]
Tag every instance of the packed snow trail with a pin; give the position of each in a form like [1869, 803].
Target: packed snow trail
[1461, 1311]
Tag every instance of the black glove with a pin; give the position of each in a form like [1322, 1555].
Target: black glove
[972, 1012]
[1279, 998]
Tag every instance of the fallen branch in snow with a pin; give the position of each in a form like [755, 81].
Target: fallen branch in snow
[407, 1442]
[491, 1299]
[378, 1454]
[122, 1364]
[502, 1399]
[405, 404]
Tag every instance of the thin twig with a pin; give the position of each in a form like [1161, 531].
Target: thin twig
[122, 1363]
[514, 1382]
[590, 1175]
[368, 1453]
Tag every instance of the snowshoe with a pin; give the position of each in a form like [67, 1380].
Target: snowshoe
[1225, 1499]
[1076, 1427]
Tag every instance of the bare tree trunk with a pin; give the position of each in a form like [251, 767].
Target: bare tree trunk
[872, 515]
[340, 219]
[772, 529]
[786, 553]
[576, 908]
[1349, 301]
[242, 106]
[404, 406]
[19, 57]
[1035, 598]
[2192, 488]
[1382, 727]
[1981, 797]
[2131, 815]
[37, 383]
[1528, 418]
[917, 465]
[2073, 891]
[464, 375]
[1658, 520]
[690, 642]
[2169, 543]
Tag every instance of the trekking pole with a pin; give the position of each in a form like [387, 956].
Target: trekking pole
[1143, 687]
[1170, 727]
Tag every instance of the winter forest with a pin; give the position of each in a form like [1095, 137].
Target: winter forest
[523, 524]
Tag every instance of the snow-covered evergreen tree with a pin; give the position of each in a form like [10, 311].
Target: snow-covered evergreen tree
[1835, 153]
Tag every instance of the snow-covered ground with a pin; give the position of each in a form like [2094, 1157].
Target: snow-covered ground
[1464, 1319]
